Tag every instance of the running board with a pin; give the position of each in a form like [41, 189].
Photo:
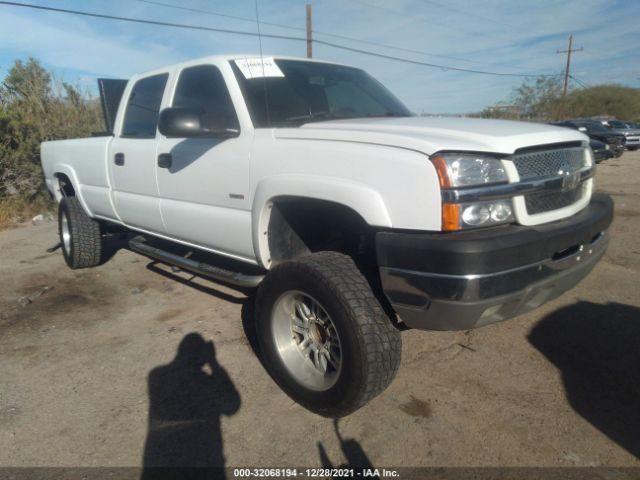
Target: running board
[234, 278]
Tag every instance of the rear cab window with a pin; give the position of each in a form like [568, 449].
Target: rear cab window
[143, 107]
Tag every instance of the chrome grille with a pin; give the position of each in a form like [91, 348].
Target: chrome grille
[548, 163]
[548, 201]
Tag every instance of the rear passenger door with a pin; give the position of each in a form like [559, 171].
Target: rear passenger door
[205, 190]
[132, 156]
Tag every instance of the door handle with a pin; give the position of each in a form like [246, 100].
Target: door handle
[119, 159]
[164, 160]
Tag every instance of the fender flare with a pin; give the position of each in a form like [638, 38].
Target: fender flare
[63, 168]
[365, 201]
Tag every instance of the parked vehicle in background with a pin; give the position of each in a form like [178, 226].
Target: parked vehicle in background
[632, 135]
[597, 131]
[352, 216]
[601, 150]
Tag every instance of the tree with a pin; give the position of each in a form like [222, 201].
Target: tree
[541, 100]
[538, 99]
[33, 109]
[610, 100]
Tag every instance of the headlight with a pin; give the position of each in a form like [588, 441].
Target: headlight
[457, 170]
[465, 169]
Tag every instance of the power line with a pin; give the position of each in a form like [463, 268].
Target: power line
[469, 13]
[268, 35]
[300, 29]
[580, 82]
[217, 14]
[433, 65]
[150, 22]
[568, 51]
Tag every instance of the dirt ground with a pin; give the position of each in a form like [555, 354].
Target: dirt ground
[85, 356]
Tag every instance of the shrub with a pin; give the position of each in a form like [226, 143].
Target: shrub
[35, 108]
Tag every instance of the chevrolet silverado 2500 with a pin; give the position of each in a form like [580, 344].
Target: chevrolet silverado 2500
[352, 217]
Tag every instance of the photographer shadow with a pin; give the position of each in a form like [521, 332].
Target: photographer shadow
[597, 350]
[354, 454]
[187, 399]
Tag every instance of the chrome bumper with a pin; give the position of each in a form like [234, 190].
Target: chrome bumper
[461, 302]
[462, 280]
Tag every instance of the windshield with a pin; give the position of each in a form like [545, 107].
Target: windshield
[312, 91]
[594, 127]
[617, 124]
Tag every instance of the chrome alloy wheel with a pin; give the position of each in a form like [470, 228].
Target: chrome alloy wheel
[65, 233]
[306, 340]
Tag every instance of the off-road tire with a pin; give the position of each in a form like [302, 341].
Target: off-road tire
[84, 248]
[371, 345]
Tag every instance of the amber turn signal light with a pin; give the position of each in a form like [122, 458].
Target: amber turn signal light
[450, 217]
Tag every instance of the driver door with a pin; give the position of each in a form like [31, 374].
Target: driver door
[204, 185]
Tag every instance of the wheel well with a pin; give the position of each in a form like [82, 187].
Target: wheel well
[64, 186]
[298, 226]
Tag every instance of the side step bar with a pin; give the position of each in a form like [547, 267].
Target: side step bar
[139, 245]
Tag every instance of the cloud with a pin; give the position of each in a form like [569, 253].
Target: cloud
[497, 35]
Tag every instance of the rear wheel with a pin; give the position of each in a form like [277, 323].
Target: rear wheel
[80, 235]
[324, 337]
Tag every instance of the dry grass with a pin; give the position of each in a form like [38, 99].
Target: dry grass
[16, 211]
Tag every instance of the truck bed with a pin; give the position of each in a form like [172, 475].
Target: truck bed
[84, 162]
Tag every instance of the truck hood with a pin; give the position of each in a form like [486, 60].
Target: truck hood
[432, 134]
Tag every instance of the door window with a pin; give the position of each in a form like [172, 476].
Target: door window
[141, 117]
[204, 87]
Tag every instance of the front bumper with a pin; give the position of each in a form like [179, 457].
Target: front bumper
[462, 280]
[600, 155]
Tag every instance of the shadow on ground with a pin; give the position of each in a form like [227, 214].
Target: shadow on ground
[353, 452]
[248, 301]
[597, 350]
[187, 398]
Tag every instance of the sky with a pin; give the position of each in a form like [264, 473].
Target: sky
[493, 35]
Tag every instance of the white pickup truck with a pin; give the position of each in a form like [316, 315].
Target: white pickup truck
[354, 218]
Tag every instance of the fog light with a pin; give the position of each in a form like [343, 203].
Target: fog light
[476, 215]
[456, 216]
[486, 214]
[500, 212]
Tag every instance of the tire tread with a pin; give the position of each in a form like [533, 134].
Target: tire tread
[86, 238]
[380, 341]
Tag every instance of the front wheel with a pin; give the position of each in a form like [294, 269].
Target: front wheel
[324, 337]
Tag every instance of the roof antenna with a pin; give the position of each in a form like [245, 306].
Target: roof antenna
[264, 78]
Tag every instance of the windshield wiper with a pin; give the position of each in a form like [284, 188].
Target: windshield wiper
[312, 117]
[386, 114]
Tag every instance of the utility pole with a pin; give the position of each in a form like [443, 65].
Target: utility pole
[566, 71]
[309, 34]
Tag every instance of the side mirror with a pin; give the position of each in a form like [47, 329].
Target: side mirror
[179, 122]
[582, 129]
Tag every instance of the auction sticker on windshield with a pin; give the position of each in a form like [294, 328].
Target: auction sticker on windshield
[258, 67]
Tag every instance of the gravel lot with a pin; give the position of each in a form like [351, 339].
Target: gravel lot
[91, 374]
